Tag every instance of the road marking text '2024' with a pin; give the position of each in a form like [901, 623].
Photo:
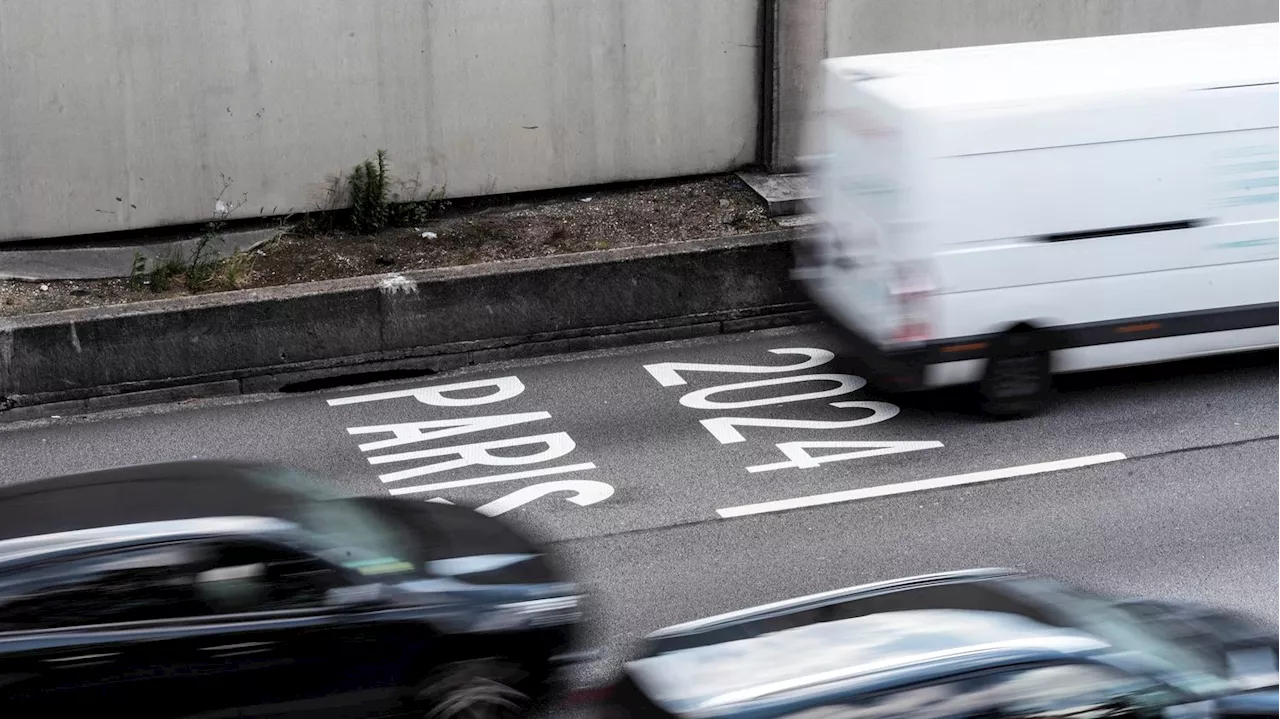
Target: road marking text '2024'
[726, 429]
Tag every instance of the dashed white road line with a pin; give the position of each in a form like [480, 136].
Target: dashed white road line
[922, 485]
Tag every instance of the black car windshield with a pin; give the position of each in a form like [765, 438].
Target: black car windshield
[352, 535]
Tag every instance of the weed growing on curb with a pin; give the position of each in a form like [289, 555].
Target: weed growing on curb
[164, 270]
[203, 269]
[374, 207]
[235, 270]
[138, 271]
[369, 207]
[418, 212]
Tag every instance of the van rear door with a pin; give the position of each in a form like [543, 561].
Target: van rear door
[865, 277]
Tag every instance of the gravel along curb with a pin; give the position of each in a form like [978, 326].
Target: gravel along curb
[86, 360]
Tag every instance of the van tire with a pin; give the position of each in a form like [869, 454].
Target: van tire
[1017, 380]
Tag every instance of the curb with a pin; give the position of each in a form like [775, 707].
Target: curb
[87, 360]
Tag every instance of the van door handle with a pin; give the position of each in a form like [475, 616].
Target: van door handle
[82, 660]
[238, 649]
[845, 262]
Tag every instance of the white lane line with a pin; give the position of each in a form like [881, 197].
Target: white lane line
[494, 478]
[923, 485]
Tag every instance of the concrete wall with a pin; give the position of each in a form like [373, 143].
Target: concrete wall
[122, 114]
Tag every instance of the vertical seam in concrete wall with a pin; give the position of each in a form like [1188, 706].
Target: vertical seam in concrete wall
[798, 34]
[826, 26]
[768, 81]
[6, 362]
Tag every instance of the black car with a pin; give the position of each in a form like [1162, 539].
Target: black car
[977, 643]
[218, 589]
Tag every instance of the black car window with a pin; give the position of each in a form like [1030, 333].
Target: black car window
[249, 576]
[126, 586]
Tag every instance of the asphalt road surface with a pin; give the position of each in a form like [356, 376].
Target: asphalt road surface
[1155, 480]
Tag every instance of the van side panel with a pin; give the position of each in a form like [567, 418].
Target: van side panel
[1013, 256]
[1015, 196]
[1096, 120]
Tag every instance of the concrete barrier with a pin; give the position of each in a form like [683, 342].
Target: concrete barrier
[256, 340]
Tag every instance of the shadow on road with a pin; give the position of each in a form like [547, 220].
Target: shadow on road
[960, 401]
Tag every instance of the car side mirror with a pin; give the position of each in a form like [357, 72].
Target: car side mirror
[357, 596]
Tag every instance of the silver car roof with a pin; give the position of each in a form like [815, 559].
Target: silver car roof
[831, 597]
[712, 676]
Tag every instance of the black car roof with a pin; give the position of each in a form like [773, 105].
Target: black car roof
[147, 493]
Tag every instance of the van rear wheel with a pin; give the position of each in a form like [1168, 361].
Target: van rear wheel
[1018, 377]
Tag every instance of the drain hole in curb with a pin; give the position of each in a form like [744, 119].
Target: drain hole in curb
[353, 379]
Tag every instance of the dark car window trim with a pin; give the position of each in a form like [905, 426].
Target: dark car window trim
[160, 625]
[51, 564]
[74, 554]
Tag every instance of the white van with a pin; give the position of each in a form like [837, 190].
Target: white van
[999, 214]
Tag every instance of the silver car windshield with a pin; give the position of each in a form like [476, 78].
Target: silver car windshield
[1184, 668]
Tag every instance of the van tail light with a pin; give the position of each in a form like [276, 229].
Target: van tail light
[912, 290]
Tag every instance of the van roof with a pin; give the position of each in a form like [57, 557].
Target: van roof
[1021, 73]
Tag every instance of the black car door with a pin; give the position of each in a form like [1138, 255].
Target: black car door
[272, 634]
[99, 631]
